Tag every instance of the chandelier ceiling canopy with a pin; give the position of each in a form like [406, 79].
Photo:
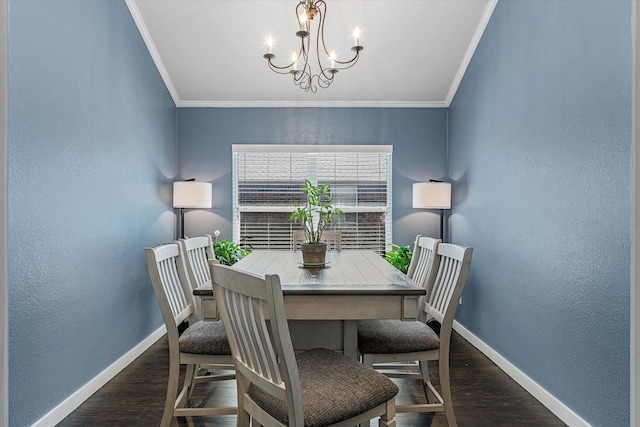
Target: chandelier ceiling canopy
[311, 16]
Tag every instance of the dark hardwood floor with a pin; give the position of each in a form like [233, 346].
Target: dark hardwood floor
[483, 395]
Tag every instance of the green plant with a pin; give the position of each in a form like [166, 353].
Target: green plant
[228, 252]
[399, 257]
[317, 212]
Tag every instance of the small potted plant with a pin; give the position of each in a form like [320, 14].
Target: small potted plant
[315, 216]
[228, 252]
[399, 257]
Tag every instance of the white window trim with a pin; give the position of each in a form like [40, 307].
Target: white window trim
[306, 148]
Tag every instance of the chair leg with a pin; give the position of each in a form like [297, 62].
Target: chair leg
[445, 386]
[367, 360]
[172, 392]
[187, 386]
[426, 381]
[388, 419]
[243, 419]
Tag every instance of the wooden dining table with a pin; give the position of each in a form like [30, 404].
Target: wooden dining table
[324, 304]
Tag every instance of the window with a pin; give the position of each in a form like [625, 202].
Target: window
[267, 180]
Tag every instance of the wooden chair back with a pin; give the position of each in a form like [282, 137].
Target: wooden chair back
[441, 303]
[167, 278]
[196, 251]
[241, 297]
[423, 259]
[421, 268]
[332, 238]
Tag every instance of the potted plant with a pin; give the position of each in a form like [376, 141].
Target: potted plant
[399, 257]
[228, 252]
[315, 216]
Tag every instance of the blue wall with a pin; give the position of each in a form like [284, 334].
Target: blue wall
[418, 137]
[540, 153]
[92, 150]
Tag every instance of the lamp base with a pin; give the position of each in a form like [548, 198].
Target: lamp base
[181, 228]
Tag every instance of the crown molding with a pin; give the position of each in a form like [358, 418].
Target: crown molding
[471, 50]
[310, 104]
[151, 47]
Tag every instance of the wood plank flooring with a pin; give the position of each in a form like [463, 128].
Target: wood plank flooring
[483, 396]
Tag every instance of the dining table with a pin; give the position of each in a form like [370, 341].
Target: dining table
[323, 304]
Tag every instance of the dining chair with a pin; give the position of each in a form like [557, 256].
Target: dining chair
[201, 343]
[421, 268]
[277, 387]
[332, 238]
[381, 341]
[196, 251]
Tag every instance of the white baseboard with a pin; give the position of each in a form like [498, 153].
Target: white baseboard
[543, 396]
[72, 402]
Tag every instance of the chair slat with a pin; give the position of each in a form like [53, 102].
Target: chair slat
[198, 260]
[238, 329]
[248, 331]
[265, 347]
[172, 287]
[256, 341]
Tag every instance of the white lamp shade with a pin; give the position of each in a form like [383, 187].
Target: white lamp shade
[432, 195]
[192, 194]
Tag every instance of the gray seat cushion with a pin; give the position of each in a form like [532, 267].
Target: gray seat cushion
[334, 388]
[205, 337]
[395, 336]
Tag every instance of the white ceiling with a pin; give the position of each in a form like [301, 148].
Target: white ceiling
[209, 52]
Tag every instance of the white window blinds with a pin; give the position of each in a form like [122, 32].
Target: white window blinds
[267, 180]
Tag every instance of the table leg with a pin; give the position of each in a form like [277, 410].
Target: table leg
[350, 343]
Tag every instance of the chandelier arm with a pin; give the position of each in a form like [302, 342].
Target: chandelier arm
[303, 79]
[323, 15]
[300, 4]
[306, 49]
[326, 76]
[324, 82]
[318, 38]
[277, 68]
[350, 62]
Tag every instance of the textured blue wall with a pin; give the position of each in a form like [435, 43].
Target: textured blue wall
[418, 137]
[539, 146]
[91, 155]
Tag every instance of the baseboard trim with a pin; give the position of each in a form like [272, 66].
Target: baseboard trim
[72, 402]
[543, 396]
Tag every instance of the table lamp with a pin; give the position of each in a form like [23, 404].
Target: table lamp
[433, 195]
[191, 194]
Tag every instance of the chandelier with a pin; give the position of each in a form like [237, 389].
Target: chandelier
[301, 61]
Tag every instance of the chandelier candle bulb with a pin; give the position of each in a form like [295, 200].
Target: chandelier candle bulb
[302, 19]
